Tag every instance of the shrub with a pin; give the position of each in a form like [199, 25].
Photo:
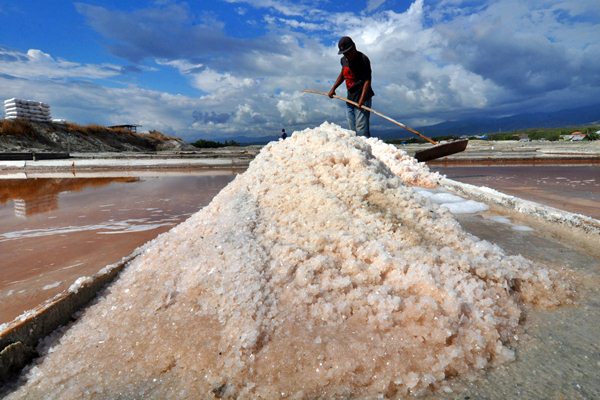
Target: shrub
[16, 127]
[209, 144]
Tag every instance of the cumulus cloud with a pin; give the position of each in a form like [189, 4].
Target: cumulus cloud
[293, 23]
[36, 64]
[167, 32]
[87, 102]
[524, 60]
[374, 4]
[210, 117]
[431, 62]
[285, 7]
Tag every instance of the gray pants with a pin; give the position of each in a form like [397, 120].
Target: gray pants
[358, 119]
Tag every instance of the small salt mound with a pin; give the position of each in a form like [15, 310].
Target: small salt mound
[507, 221]
[317, 273]
[501, 220]
[455, 204]
[522, 228]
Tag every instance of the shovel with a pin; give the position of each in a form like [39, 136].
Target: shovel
[437, 151]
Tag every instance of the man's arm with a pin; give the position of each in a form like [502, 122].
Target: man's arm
[337, 83]
[365, 90]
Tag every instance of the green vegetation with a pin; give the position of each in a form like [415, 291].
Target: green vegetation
[209, 144]
[504, 136]
[550, 134]
[593, 136]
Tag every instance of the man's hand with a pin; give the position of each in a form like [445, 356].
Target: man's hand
[365, 89]
[331, 93]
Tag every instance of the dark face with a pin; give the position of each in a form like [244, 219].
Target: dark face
[351, 54]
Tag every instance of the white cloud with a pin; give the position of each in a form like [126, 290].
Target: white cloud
[430, 62]
[37, 64]
[284, 7]
[293, 23]
[184, 66]
[374, 4]
[220, 84]
[90, 103]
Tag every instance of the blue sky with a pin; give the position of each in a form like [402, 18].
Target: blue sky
[222, 68]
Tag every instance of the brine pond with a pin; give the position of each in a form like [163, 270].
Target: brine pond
[54, 230]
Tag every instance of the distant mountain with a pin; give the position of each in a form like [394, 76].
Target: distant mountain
[570, 117]
[476, 126]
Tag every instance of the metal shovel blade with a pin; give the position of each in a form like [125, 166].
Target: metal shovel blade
[441, 150]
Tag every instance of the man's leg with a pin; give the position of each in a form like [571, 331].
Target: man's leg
[362, 120]
[351, 116]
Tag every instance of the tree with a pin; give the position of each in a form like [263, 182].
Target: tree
[209, 144]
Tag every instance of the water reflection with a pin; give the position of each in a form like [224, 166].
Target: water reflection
[571, 188]
[34, 196]
[54, 230]
[24, 207]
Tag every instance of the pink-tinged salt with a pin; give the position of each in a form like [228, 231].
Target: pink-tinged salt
[319, 272]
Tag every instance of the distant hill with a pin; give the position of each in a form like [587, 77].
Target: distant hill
[474, 126]
[571, 117]
[25, 136]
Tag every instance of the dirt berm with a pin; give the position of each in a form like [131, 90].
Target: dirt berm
[21, 135]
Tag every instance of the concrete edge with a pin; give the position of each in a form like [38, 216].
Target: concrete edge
[581, 223]
[19, 338]
[570, 160]
[98, 163]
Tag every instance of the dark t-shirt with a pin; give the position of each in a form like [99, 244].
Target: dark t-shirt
[355, 73]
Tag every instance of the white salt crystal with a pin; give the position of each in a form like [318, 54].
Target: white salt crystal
[322, 240]
[51, 285]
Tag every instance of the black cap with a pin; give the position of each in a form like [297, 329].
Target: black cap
[345, 44]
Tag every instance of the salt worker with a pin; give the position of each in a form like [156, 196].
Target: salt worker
[356, 71]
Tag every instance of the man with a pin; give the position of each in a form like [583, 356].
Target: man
[356, 71]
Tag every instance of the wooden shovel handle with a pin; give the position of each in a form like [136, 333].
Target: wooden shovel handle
[400, 124]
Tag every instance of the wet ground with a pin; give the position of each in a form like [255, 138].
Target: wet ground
[53, 231]
[571, 188]
[557, 350]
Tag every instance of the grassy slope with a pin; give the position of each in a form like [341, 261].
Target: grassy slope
[21, 135]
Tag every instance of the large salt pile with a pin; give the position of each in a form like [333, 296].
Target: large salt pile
[320, 272]
[26, 109]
